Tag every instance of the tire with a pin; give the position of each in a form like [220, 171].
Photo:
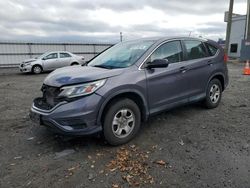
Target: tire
[37, 69]
[121, 122]
[213, 94]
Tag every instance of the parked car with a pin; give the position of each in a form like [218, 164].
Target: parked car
[129, 82]
[50, 61]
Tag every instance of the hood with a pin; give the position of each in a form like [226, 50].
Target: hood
[78, 74]
[29, 60]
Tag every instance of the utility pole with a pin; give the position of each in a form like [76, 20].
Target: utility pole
[229, 24]
[121, 36]
[247, 37]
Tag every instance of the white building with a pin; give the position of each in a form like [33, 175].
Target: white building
[238, 32]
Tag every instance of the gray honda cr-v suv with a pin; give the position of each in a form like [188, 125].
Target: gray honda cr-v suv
[129, 82]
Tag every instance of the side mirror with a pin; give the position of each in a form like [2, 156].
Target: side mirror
[157, 63]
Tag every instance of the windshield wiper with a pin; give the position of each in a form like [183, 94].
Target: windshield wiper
[103, 66]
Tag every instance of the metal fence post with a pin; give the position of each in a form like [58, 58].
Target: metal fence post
[94, 49]
[30, 50]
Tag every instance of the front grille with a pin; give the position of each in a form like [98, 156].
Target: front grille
[50, 94]
[41, 104]
[49, 99]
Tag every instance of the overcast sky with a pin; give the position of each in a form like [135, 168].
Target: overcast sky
[100, 20]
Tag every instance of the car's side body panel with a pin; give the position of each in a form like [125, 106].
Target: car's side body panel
[52, 63]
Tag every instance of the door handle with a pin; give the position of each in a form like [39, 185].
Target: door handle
[210, 62]
[183, 69]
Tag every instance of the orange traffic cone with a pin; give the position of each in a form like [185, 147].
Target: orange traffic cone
[246, 70]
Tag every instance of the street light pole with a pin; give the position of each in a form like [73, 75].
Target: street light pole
[229, 24]
[121, 36]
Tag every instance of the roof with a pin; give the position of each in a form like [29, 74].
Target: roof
[159, 39]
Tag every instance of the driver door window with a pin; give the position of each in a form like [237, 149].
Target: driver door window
[170, 51]
[51, 56]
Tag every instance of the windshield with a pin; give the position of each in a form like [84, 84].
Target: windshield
[121, 55]
[41, 56]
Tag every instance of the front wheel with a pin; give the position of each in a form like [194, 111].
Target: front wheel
[37, 69]
[121, 122]
[213, 94]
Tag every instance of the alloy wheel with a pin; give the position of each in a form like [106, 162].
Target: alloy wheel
[123, 123]
[214, 93]
[37, 70]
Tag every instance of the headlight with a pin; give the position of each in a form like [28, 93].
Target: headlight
[25, 64]
[81, 89]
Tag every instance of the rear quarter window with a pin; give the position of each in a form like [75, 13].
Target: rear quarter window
[212, 50]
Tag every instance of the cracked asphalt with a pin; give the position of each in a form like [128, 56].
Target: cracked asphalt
[199, 147]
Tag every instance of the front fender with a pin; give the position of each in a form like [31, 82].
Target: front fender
[115, 93]
[37, 62]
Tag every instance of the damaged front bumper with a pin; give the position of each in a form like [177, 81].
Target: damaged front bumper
[25, 68]
[75, 118]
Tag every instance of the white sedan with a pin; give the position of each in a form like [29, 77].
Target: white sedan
[50, 61]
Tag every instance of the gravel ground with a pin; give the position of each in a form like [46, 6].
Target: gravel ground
[185, 147]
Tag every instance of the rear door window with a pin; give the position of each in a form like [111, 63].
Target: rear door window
[170, 51]
[64, 55]
[195, 49]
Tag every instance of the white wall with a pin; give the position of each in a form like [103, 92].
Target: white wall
[237, 34]
[13, 53]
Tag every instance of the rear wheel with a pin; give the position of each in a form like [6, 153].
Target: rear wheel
[121, 121]
[37, 69]
[213, 94]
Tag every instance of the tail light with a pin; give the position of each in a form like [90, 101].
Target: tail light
[225, 58]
